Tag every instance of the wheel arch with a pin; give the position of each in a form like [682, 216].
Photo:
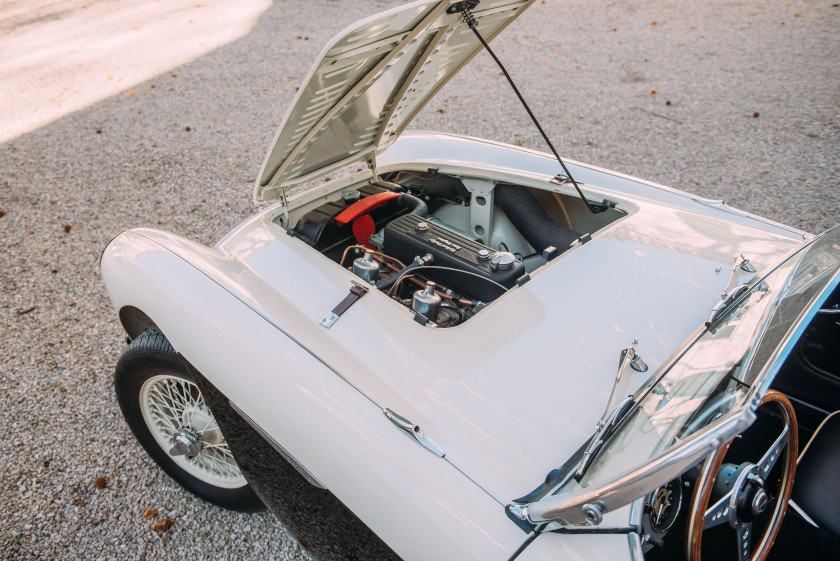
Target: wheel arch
[134, 321]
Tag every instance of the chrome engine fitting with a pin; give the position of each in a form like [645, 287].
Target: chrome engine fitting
[426, 303]
[366, 267]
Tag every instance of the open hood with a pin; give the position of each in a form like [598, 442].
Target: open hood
[368, 84]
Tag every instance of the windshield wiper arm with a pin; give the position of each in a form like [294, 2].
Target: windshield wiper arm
[609, 421]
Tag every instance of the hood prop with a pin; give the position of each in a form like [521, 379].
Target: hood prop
[465, 8]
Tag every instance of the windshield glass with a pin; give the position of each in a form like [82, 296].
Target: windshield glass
[703, 398]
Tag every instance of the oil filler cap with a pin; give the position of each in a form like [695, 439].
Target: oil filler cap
[502, 261]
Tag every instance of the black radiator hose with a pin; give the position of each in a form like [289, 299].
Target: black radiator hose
[413, 204]
[532, 221]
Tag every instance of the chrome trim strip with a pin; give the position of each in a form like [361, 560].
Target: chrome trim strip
[802, 513]
[280, 450]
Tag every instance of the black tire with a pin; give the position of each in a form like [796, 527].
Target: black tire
[150, 356]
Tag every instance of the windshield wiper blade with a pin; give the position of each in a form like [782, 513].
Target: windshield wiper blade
[726, 302]
[735, 287]
[603, 433]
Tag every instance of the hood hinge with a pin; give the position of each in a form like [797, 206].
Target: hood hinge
[371, 162]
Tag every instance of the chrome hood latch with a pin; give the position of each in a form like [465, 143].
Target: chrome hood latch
[415, 432]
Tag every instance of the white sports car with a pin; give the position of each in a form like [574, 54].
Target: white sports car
[440, 347]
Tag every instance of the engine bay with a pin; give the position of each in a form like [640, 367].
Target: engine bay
[445, 246]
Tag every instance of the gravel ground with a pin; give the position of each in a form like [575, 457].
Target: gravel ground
[735, 100]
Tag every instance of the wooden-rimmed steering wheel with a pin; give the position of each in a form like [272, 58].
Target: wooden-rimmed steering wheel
[746, 496]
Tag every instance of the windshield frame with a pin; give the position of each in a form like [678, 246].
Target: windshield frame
[586, 505]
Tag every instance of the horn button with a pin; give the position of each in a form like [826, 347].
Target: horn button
[752, 499]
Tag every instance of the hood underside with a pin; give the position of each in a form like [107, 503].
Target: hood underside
[368, 84]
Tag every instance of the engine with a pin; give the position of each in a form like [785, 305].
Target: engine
[391, 239]
[466, 266]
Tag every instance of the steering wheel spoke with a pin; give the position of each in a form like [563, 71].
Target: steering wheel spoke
[719, 513]
[765, 465]
[744, 541]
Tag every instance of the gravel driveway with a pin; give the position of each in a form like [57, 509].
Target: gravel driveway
[734, 100]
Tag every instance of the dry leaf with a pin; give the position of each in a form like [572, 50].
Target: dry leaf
[654, 22]
[174, 75]
[653, 92]
[132, 93]
[163, 525]
[150, 513]
[576, 67]
[441, 110]
[798, 15]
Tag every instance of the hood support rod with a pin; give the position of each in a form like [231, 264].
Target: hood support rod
[465, 8]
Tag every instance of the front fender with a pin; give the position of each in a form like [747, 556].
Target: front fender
[303, 403]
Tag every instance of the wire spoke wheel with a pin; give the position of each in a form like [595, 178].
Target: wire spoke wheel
[173, 406]
[163, 406]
